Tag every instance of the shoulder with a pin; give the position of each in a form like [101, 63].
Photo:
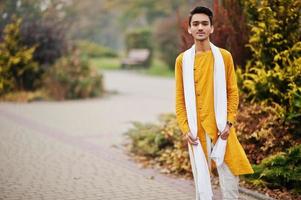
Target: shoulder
[227, 56]
[225, 53]
[179, 58]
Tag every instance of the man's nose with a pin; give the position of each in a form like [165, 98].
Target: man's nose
[200, 27]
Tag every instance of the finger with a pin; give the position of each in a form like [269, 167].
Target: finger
[224, 137]
[192, 142]
[194, 139]
[225, 132]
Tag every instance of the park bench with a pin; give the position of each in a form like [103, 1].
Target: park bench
[136, 57]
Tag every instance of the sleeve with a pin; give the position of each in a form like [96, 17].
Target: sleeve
[232, 90]
[180, 101]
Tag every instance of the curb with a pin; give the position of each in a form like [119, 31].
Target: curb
[254, 194]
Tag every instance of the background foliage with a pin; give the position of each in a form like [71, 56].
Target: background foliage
[71, 78]
[34, 44]
[162, 142]
[273, 72]
[16, 60]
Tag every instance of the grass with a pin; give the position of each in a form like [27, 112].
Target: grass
[105, 63]
[157, 68]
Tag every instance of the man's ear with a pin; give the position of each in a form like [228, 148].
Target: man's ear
[189, 30]
[212, 30]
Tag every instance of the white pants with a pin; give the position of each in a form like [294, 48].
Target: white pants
[228, 182]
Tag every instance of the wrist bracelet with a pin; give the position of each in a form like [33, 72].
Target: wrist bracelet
[229, 123]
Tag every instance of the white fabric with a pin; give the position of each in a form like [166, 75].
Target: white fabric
[218, 152]
[227, 180]
[200, 172]
[197, 156]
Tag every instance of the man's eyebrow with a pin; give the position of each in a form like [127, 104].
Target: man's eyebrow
[200, 21]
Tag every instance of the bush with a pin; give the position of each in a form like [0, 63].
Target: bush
[275, 28]
[16, 60]
[280, 170]
[71, 77]
[273, 73]
[163, 145]
[95, 50]
[162, 142]
[262, 131]
[50, 41]
[49, 37]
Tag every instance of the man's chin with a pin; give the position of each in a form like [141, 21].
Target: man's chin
[201, 39]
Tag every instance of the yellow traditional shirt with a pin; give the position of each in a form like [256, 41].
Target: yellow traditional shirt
[204, 89]
[203, 76]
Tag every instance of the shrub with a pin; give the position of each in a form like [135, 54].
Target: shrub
[262, 131]
[275, 28]
[280, 170]
[162, 142]
[49, 37]
[273, 73]
[16, 60]
[94, 50]
[71, 77]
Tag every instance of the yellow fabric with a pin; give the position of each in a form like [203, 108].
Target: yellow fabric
[235, 156]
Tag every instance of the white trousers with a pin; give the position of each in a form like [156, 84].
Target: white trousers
[228, 182]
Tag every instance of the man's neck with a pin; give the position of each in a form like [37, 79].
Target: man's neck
[201, 46]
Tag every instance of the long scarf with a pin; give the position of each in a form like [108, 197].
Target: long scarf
[198, 161]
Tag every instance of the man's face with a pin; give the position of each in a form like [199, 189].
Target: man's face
[200, 27]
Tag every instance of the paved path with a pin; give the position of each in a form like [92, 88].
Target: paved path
[73, 149]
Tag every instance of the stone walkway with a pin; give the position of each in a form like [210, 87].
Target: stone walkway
[73, 149]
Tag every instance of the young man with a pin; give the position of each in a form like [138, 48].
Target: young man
[206, 105]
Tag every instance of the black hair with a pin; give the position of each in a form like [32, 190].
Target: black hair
[201, 9]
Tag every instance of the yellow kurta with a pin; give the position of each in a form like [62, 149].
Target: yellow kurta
[235, 156]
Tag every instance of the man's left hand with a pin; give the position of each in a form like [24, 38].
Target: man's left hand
[225, 134]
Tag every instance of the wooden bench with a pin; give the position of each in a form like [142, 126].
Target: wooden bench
[136, 57]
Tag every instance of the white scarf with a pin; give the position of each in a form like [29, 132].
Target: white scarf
[197, 157]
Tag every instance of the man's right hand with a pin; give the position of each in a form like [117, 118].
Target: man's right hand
[192, 140]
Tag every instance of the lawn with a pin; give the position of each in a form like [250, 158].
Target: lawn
[105, 63]
[157, 68]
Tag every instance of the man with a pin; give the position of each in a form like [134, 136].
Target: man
[211, 77]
